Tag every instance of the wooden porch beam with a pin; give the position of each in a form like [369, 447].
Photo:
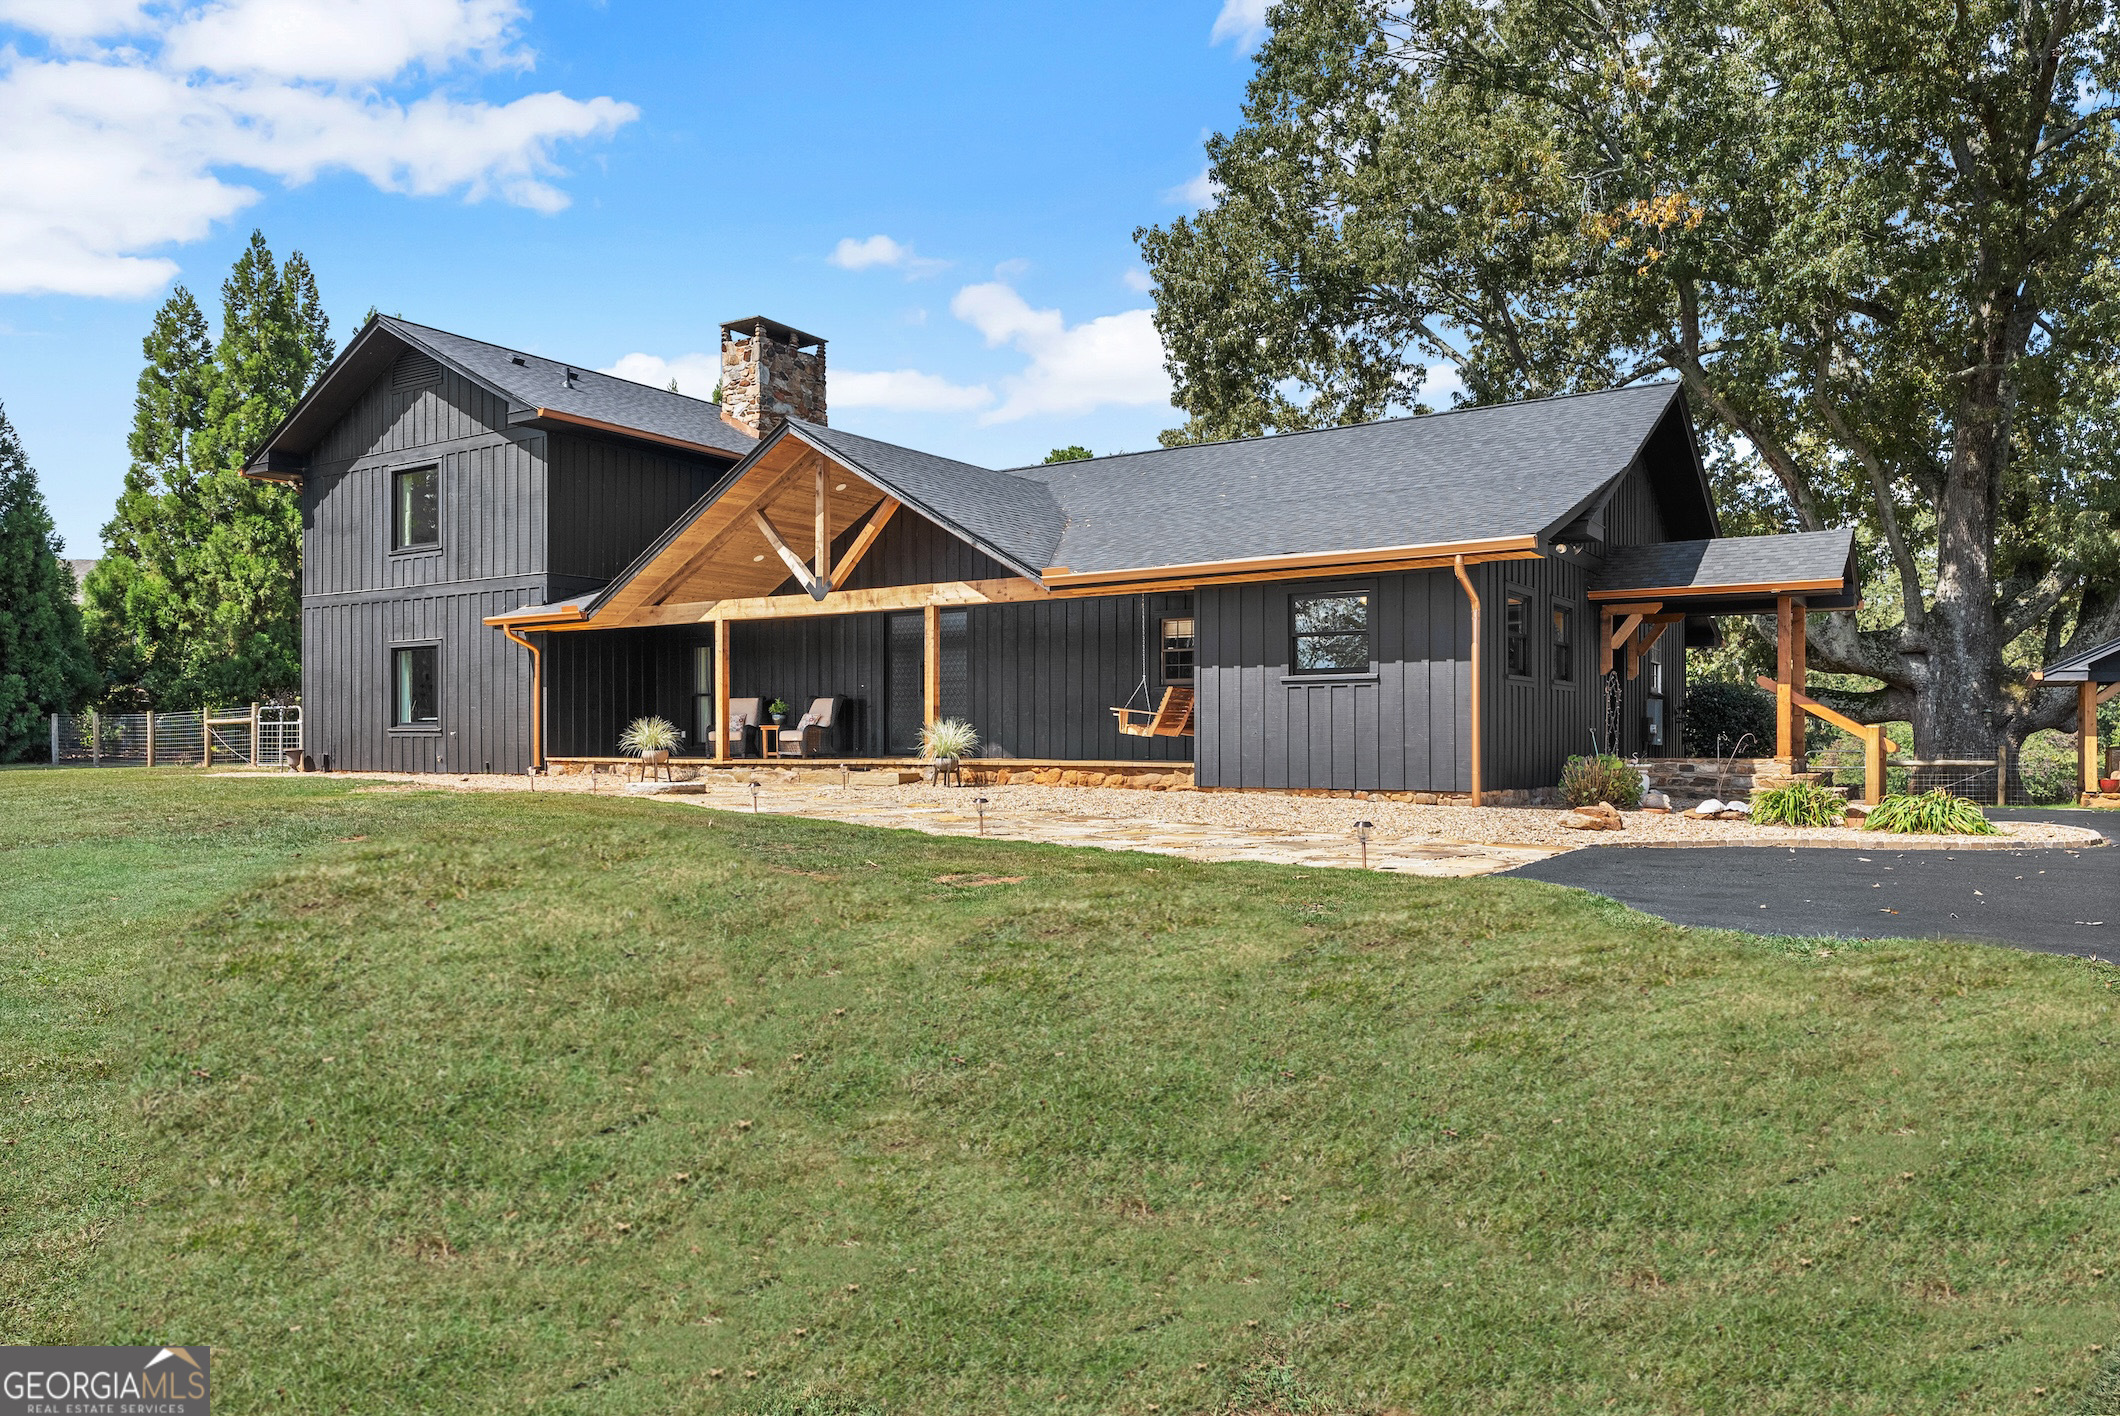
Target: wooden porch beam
[2087, 733]
[818, 588]
[1789, 678]
[716, 541]
[946, 594]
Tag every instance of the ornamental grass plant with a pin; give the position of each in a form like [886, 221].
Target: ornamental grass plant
[1586, 781]
[1798, 804]
[645, 735]
[1933, 813]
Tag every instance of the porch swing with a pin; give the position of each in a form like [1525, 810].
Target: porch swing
[1172, 717]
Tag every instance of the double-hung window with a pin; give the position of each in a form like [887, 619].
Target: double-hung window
[1516, 633]
[1332, 633]
[1563, 643]
[415, 697]
[1178, 650]
[416, 509]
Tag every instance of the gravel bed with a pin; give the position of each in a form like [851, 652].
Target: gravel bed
[1278, 812]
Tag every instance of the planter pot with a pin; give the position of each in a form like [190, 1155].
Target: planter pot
[780, 720]
[2109, 784]
[656, 758]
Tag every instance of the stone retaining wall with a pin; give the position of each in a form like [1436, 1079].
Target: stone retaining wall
[1695, 777]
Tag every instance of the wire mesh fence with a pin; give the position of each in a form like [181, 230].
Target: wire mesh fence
[255, 735]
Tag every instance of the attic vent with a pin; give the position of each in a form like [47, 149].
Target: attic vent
[414, 371]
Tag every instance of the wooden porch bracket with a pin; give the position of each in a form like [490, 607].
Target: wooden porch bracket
[870, 530]
[1874, 743]
[1653, 628]
[817, 586]
[762, 498]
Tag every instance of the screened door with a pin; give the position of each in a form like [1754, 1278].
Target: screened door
[905, 689]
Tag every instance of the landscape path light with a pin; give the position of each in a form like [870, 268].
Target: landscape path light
[1361, 833]
[980, 802]
[754, 796]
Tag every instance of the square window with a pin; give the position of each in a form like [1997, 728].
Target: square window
[1332, 633]
[1177, 651]
[416, 508]
[1563, 643]
[416, 699]
[1516, 634]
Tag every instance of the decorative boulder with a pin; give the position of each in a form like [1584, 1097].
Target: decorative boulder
[1707, 810]
[1656, 801]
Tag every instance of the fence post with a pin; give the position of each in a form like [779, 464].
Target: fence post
[95, 738]
[55, 739]
[150, 737]
[205, 738]
[2002, 773]
[254, 735]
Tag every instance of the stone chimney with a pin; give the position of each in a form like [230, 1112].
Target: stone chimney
[769, 374]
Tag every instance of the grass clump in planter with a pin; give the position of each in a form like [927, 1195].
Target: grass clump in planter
[1586, 781]
[1798, 804]
[1934, 813]
[644, 736]
[948, 738]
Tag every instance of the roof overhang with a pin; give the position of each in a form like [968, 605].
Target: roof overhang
[2100, 663]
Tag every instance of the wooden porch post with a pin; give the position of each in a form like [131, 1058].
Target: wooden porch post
[1789, 679]
[931, 665]
[721, 690]
[1873, 764]
[2087, 732]
[1473, 596]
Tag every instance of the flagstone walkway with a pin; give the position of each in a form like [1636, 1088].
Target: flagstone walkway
[1406, 855]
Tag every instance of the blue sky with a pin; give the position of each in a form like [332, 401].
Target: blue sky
[606, 183]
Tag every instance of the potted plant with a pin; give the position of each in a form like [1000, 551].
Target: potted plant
[944, 741]
[649, 739]
[778, 708]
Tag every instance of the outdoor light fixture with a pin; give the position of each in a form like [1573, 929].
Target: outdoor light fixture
[980, 802]
[754, 796]
[842, 776]
[1361, 833]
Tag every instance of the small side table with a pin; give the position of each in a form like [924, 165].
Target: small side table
[769, 739]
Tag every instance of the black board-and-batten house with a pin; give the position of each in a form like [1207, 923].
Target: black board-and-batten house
[506, 559]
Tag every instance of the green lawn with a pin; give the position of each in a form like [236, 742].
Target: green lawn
[416, 1101]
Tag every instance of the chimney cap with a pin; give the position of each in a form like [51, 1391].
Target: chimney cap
[787, 334]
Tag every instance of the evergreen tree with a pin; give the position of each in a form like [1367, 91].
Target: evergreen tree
[199, 599]
[128, 595]
[44, 661]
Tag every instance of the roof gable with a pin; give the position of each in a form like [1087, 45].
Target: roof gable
[537, 391]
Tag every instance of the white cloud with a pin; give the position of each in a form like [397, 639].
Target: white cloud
[1201, 190]
[881, 250]
[1442, 385]
[72, 20]
[894, 391]
[114, 153]
[335, 39]
[1114, 359]
[1139, 280]
[696, 374]
[905, 391]
[1241, 20]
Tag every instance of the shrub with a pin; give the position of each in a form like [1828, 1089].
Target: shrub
[645, 735]
[1935, 813]
[1718, 714]
[1585, 781]
[2048, 765]
[1798, 804]
[948, 737]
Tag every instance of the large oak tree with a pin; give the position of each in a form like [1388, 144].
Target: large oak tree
[1876, 241]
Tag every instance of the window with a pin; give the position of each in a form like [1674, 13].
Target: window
[416, 508]
[1516, 634]
[1656, 671]
[416, 702]
[1177, 651]
[1563, 643]
[1332, 633]
[703, 692]
[1653, 726]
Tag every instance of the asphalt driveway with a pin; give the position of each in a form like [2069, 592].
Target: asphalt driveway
[2055, 901]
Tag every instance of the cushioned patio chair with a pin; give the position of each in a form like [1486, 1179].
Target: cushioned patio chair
[812, 733]
[745, 714]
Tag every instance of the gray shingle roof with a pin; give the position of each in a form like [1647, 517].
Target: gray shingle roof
[1013, 518]
[1727, 562]
[1513, 469]
[2098, 664]
[537, 382]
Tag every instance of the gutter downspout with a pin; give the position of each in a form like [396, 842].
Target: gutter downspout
[1474, 596]
[537, 699]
